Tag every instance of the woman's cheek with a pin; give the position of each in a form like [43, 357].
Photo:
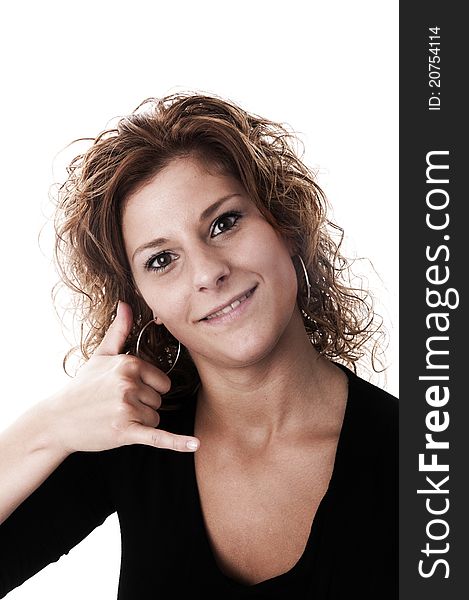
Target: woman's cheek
[172, 314]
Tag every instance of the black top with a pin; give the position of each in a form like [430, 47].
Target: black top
[351, 550]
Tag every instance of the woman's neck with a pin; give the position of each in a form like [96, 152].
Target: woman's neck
[283, 393]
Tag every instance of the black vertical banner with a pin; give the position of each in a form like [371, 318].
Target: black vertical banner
[434, 250]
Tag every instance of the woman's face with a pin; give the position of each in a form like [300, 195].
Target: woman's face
[196, 242]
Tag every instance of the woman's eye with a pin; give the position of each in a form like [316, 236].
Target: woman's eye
[225, 222]
[158, 262]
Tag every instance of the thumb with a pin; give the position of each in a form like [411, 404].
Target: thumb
[114, 339]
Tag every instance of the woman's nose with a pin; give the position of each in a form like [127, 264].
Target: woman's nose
[209, 268]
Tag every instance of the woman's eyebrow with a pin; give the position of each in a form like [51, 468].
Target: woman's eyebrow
[205, 214]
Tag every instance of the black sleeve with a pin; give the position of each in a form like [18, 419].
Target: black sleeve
[67, 507]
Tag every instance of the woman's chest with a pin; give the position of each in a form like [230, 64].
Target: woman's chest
[258, 514]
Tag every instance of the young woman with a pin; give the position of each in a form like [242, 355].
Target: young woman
[219, 411]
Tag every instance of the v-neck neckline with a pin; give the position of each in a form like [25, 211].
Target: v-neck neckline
[339, 469]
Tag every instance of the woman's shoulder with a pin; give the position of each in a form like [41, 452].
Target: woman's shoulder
[371, 409]
[369, 392]
[369, 440]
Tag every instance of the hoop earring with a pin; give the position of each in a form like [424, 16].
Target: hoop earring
[308, 285]
[137, 347]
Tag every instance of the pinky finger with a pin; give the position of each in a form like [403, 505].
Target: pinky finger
[158, 438]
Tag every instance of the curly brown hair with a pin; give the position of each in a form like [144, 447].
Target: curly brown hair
[263, 156]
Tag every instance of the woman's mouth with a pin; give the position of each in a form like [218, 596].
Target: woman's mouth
[232, 310]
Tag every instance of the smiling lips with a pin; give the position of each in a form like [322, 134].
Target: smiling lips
[230, 307]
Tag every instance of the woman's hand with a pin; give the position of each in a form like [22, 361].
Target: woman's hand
[113, 400]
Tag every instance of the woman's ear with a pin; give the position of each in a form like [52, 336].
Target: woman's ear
[158, 321]
[290, 244]
[292, 247]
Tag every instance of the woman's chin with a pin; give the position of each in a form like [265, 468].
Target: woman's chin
[236, 357]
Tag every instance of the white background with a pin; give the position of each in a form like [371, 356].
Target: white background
[328, 69]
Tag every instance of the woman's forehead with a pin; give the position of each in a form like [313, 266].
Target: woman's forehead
[182, 196]
[184, 185]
